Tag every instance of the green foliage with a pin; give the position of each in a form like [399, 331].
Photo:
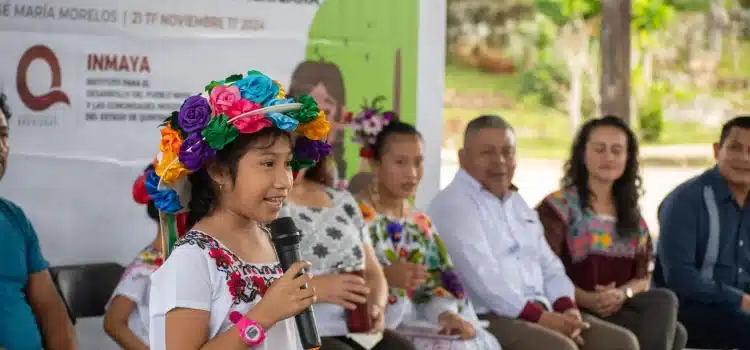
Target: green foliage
[544, 84]
[651, 114]
[689, 5]
[651, 15]
[563, 11]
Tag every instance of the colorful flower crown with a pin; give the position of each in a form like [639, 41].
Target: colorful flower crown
[208, 122]
[368, 123]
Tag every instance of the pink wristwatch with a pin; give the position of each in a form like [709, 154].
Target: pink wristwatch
[250, 331]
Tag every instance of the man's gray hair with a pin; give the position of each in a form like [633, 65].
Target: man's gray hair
[487, 121]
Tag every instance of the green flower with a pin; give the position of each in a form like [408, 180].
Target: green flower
[218, 133]
[309, 109]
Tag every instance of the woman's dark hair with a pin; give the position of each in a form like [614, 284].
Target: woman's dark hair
[4, 105]
[321, 172]
[153, 213]
[203, 194]
[395, 127]
[626, 190]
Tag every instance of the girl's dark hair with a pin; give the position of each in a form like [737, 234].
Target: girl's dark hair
[203, 194]
[153, 213]
[626, 190]
[321, 172]
[4, 105]
[395, 127]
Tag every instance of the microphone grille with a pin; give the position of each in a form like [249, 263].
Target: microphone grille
[282, 226]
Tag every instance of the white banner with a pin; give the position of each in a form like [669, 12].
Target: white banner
[88, 83]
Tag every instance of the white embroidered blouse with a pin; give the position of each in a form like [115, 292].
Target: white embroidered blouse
[201, 273]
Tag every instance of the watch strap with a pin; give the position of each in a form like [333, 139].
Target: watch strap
[250, 331]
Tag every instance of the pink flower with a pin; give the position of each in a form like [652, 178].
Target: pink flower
[424, 224]
[251, 124]
[240, 107]
[223, 98]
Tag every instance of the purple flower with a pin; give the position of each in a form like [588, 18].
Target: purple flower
[452, 283]
[388, 116]
[305, 148]
[194, 114]
[194, 152]
[394, 231]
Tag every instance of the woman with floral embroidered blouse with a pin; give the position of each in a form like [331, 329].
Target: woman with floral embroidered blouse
[594, 224]
[425, 290]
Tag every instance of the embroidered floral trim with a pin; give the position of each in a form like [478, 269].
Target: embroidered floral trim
[246, 282]
[151, 257]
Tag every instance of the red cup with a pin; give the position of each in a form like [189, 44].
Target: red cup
[359, 320]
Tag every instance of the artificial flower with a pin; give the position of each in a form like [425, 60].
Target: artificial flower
[223, 98]
[218, 133]
[241, 107]
[165, 200]
[194, 153]
[372, 126]
[311, 149]
[170, 140]
[194, 113]
[316, 129]
[308, 111]
[368, 212]
[140, 195]
[423, 222]
[283, 121]
[169, 168]
[252, 124]
[257, 87]
[173, 121]
[282, 93]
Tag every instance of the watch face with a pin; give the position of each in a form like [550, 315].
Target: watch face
[252, 333]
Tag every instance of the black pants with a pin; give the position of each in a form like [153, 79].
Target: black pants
[715, 326]
[391, 341]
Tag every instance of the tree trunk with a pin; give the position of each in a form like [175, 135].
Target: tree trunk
[615, 56]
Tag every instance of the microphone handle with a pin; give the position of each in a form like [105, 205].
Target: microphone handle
[306, 325]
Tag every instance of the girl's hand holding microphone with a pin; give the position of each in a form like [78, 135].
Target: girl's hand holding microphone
[285, 298]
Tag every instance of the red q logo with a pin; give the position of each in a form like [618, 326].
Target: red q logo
[38, 103]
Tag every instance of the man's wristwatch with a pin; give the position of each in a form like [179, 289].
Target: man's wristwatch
[628, 292]
[250, 331]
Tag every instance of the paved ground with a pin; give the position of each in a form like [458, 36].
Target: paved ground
[536, 178]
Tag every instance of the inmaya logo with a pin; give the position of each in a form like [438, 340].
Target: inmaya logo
[38, 103]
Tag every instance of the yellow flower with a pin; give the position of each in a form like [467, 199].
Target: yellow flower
[317, 129]
[169, 168]
[282, 93]
[170, 141]
[606, 240]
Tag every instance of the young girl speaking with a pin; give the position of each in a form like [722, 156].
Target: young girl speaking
[227, 158]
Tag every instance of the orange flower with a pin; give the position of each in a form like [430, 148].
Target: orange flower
[170, 141]
[317, 129]
[169, 168]
[368, 212]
